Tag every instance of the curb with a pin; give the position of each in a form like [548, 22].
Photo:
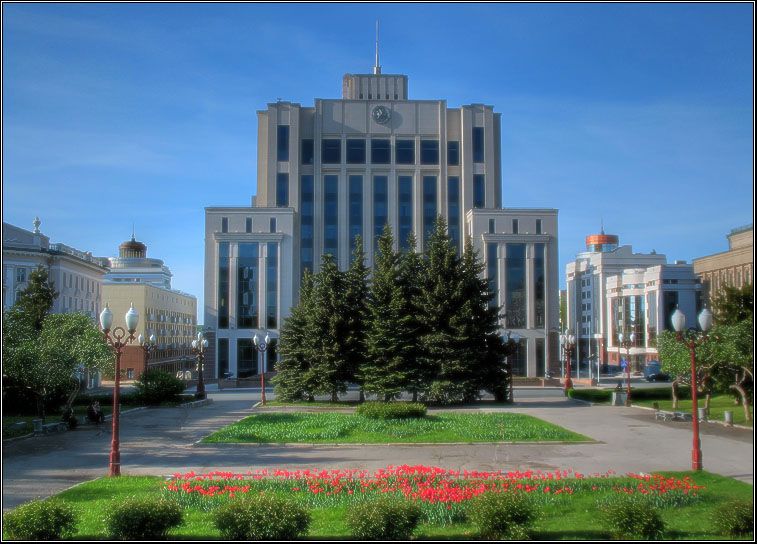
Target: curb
[16, 438]
[393, 444]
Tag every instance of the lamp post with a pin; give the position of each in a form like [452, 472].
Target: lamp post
[198, 348]
[148, 346]
[627, 342]
[568, 342]
[705, 322]
[262, 346]
[117, 341]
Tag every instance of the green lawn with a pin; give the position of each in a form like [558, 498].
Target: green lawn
[564, 517]
[329, 427]
[718, 405]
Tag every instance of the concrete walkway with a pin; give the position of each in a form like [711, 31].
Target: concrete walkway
[160, 441]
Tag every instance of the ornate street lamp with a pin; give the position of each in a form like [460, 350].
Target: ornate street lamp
[148, 347]
[198, 349]
[627, 342]
[568, 342]
[262, 347]
[691, 341]
[118, 341]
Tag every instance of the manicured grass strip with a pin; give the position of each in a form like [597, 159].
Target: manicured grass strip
[329, 428]
[564, 517]
[718, 405]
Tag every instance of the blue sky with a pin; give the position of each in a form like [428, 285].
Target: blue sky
[636, 114]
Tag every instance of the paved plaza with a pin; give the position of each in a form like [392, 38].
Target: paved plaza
[161, 441]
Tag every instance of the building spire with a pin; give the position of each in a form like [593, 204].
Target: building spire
[377, 66]
[602, 225]
[132, 231]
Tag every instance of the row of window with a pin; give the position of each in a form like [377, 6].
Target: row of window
[282, 202]
[515, 292]
[515, 225]
[357, 150]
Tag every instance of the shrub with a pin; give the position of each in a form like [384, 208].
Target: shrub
[734, 517]
[391, 410]
[383, 519]
[502, 516]
[445, 393]
[155, 386]
[590, 395]
[143, 518]
[631, 517]
[660, 393]
[49, 519]
[261, 517]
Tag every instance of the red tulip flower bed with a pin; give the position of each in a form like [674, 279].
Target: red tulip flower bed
[441, 493]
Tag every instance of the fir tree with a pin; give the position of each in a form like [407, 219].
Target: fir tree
[355, 312]
[37, 299]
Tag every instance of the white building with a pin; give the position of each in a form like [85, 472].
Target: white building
[612, 290]
[349, 166]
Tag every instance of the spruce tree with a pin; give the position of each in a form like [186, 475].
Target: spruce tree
[355, 312]
[384, 369]
[37, 299]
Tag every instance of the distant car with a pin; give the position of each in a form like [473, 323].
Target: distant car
[662, 377]
[653, 372]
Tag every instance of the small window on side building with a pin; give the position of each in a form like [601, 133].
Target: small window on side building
[224, 224]
[515, 226]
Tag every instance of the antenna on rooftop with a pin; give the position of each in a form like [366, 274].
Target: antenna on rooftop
[377, 66]
[132, 231]
[602, 225]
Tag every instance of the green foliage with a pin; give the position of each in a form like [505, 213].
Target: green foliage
[503, 516]
[734, 518]
[49, 519]
[391, 410]
[383, 519]
[631, 517]
[37, 299]
[144, 518]
[445, 393]
[734, 305]
[590, 395]
[261, 517]
[355, 311]
[155, 386]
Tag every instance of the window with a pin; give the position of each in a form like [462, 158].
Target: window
[405, 208]
[515, 226]
[223, 357]
[453, 153]
[282, 143]
[539, 285]
[247, 357]
[355, 209]
[20, 275]
[381, 152]
[331, 152]
[479, 191]
[380, 208]
[331, 216]
[405, 152]
[306, 154]
[272, 224]
[429, 205]
[223, 286]
[491, 272]
[515, 292]
[224, 228]
[247, 286]
[307, 196]
[129, 373]
[272, 281]
[478, 144]
[248, 224]
[491, 226]
[429, 151]
[282, 190]
[355, 151]
[453, 209]
[538, 226]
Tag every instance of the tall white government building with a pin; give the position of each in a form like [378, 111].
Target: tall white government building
[346, 167]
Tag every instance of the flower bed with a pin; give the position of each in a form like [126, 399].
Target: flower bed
[441, 493]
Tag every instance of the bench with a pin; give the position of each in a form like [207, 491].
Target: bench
[19, 425]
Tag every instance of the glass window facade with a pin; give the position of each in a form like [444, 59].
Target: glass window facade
[271, 285]
[539, 286]
[355, 151]
[331, 216]
[247, 360]
[515, 293]
[541, 362]
[306, 155]
[429, 151]
[405, 209]
[478, 144]
[331, 151]
[380, 207]
[520, 358]
[404, 152]
[223, 356]
[491, 272]
[307, 208]
[479, 191]
[429, 205]
[247, 286]
[282, 143]
[223, 285]
[282, 190]
[453, 153]
[355, 209]
[381, 151]
[453, 209]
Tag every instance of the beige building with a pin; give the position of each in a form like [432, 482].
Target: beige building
[732, 268]
[168, 314]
